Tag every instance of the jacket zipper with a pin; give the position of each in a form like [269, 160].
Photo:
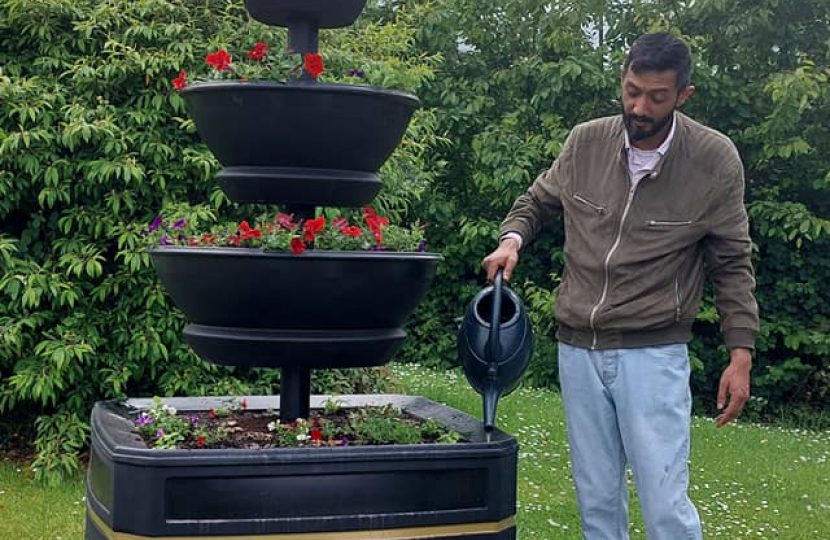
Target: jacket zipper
[677, 298]
[607, 264]
[600, 209]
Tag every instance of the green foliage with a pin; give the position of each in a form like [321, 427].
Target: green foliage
[94, 142]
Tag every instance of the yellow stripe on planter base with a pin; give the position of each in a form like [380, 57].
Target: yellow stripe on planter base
[407, 533]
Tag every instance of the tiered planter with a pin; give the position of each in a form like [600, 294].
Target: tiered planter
[304, 145]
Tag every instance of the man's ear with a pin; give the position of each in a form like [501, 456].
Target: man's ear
[685, 94]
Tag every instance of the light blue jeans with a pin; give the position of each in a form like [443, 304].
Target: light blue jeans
[630, 407]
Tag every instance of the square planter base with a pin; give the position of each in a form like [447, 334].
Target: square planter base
[396, 492]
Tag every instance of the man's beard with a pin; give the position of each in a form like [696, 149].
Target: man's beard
[638, 134]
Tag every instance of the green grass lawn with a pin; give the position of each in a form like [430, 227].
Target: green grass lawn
[30, 511]
[748, 481]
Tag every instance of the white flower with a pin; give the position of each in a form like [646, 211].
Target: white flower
[272, 426]
[168, 409]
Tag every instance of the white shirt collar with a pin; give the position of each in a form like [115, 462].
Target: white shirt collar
[663, 148]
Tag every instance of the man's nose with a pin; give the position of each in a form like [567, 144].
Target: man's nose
[640, 107]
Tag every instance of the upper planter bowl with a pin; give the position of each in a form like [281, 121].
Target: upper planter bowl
[296, 143]
[320, 309]
[323, 13]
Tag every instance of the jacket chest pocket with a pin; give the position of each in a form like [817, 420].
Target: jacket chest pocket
[589, 204]
[667, 224]
[669, 233]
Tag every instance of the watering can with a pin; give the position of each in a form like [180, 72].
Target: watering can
[495, 343]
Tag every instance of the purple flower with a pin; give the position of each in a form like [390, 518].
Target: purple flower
[144, 419]
[155, 224]
[343, 441]
[159, 433]
[194, 420]
[165, 241]
[422, 246]
[179, 224]
[356, 73]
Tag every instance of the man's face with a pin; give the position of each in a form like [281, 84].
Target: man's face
[649, 99]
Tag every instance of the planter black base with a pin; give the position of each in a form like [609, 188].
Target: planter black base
[401, 492]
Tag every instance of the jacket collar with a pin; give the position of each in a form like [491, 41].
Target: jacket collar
[672, 144]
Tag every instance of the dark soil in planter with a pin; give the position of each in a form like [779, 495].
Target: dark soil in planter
[249, 429]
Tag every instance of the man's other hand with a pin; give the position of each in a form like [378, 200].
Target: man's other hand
[734, 383]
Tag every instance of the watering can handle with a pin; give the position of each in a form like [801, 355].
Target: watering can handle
[495, 324]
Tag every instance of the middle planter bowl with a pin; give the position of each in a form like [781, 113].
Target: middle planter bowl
[320, 309]
[299, 143]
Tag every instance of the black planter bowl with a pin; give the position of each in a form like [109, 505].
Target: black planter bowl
[399, 492]
[319, 309]
[299, 143]
[323, 13]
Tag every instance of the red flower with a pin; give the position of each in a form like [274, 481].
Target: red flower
[353, 231]
[235, 240]
[252, 233]
[258, 52]
[221, 60]
[192, 241]
[314, 64]
[340, 223]
[200, 440]
[212, 412]
[248, 232]
[297, 245]
[316, 434]
[312, 227]
[284, 221]
[180, 82]
[244, 403]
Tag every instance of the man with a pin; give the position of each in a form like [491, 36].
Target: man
[651, 201]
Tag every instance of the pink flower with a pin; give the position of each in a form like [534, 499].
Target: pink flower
[284, 221]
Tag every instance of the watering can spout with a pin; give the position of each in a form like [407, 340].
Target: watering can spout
[495, 343]
[491, 399]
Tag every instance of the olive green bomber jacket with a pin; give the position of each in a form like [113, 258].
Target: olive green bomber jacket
[635, 259]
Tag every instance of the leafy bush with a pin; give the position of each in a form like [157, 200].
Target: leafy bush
[94, 143]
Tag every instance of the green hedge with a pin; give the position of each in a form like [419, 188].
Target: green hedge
[94, 143]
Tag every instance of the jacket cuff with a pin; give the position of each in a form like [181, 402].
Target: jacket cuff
[740, 337]
[514, 235]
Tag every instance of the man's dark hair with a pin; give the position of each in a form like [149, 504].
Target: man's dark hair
[660, 51]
